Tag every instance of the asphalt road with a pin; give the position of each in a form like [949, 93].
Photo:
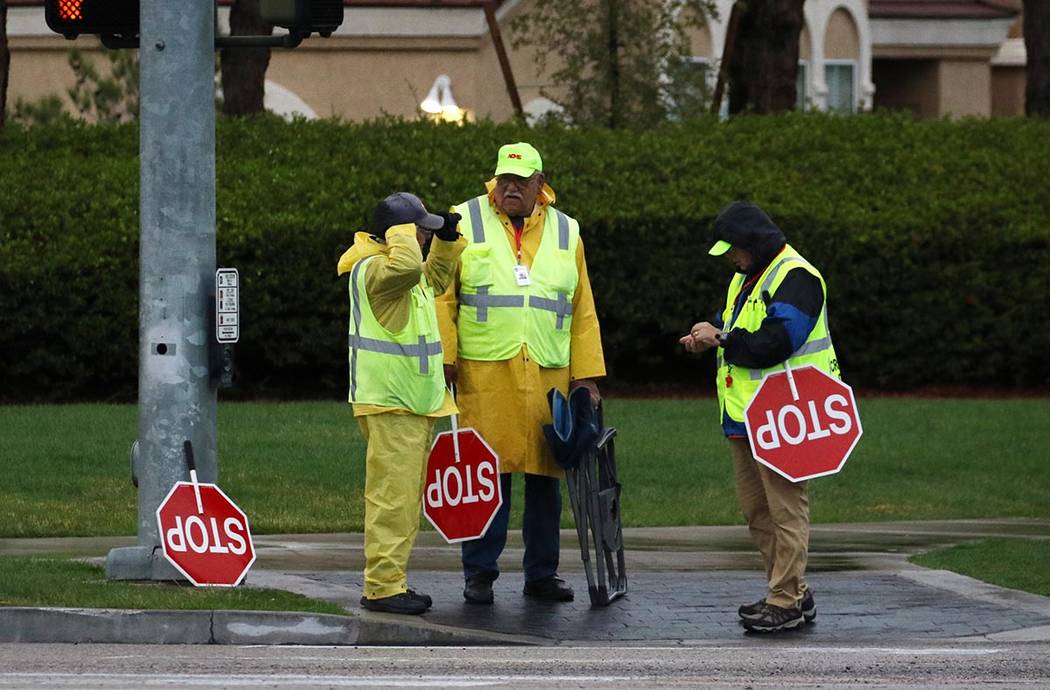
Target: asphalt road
[772, 662]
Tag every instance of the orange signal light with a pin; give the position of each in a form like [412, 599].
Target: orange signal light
[110, 19]
[71, 10]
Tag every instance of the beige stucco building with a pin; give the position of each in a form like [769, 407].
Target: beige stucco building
[948, 57]
[931, 57]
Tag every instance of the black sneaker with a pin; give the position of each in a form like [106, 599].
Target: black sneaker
[551, 588]
[478, 591]
[425, 598]
[808, 606]
[751, 611]
[775, 619]
[403, 603]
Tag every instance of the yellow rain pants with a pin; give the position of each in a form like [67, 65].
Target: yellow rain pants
[395, 469]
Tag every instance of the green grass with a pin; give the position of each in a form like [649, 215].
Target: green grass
[299, 467]
[1014, 563]
[59, 582]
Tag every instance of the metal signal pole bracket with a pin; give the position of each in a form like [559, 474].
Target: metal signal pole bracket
[282, 41]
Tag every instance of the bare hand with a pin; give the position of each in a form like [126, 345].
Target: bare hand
[596, 397]
[450, 374]
[702, 336]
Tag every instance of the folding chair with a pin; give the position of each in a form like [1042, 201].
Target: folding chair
[584, 448]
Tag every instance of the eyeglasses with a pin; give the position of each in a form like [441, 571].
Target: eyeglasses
[514, 180]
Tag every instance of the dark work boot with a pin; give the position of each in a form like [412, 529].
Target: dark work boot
[478, 591]
[551, 588]
[403, 603]
[425, 598]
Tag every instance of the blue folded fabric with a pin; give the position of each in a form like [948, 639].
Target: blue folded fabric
[575, 428]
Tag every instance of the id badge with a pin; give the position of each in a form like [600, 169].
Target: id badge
[521, 274]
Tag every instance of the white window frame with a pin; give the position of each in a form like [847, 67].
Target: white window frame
[803, 68]
[712, 81]
[854, 69]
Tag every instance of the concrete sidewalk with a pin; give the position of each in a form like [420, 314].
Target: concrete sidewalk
[684, 586]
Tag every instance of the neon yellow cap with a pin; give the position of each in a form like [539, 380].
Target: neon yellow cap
[720, 247]
[519, 159]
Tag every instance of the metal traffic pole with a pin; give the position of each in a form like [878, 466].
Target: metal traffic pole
[177, 400]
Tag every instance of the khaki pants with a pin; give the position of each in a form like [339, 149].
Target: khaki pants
[777, 513]
[395, 469]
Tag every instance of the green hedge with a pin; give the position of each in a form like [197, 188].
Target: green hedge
[933, 236]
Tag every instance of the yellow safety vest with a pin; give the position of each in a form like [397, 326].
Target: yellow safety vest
[496, 314]
[817, 350]
[402, 369]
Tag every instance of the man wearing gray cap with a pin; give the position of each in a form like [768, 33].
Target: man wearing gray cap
[397, 386]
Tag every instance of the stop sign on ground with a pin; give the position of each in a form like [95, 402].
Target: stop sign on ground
[807, 435]
[462, 492]
[208, 542]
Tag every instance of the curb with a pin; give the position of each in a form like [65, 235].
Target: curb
[973, 588]
[979, 590]
[120, 626]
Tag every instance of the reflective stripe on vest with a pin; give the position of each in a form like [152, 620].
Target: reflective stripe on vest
[506, 308]
[422, 351]
[806, 348]
[419, 355]
[482, 300]
[817, 350]
[478, 226]
[562, 307]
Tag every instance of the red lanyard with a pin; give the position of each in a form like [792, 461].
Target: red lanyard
[517, 240]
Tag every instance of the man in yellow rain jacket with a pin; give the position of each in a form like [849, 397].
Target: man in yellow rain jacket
[518, 320]
[396, 380]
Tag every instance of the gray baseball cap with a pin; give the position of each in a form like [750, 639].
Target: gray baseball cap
[400, 208]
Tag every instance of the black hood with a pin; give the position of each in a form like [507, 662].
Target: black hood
[744, 225]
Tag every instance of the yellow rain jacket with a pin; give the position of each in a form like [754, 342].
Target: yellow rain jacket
[389, 284]
[506, 401]
[398, 440]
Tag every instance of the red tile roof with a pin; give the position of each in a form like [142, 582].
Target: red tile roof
[943, 9]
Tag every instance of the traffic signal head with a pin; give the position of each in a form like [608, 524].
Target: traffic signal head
[303, 17]
[103, 17]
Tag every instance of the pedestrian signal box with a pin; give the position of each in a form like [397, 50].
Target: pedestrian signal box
[303, 17]
[119, 18]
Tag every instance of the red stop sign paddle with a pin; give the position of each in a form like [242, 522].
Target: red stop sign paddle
[462, 489]
[205, 535]
[802, 423]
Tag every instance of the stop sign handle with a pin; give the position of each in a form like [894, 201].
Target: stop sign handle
[187, 450]
[790, 377]
[767, 299]
[455, 425]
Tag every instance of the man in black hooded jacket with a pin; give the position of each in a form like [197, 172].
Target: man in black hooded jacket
[774, 306]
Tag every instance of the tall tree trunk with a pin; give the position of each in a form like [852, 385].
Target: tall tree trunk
[615, 116]
[1037, 46]
[5, 62]
[244, 69]
[764, 64]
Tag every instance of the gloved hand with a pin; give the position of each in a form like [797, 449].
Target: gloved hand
[447, 232]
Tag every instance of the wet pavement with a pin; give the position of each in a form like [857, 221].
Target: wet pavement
[685, 584]
[668, 607]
